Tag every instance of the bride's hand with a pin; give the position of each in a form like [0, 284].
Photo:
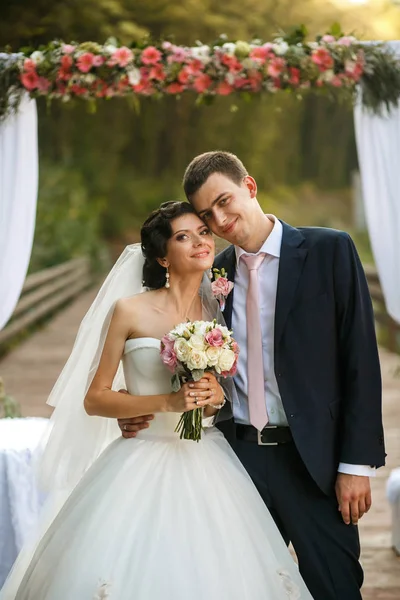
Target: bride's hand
[183, 400]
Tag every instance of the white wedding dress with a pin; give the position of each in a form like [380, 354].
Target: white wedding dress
[159, 518]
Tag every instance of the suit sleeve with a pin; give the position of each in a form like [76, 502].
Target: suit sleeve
[361, 429]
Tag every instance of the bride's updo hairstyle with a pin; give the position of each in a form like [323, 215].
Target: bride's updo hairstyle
[154, 235]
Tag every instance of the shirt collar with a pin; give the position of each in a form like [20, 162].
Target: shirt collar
[272, 244]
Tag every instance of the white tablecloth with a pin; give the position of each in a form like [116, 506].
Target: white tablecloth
[19, 498]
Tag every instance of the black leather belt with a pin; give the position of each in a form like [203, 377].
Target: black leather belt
[271, 435]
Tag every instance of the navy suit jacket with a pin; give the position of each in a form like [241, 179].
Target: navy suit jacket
[325, 350]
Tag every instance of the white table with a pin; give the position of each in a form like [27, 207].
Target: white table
[19, 499]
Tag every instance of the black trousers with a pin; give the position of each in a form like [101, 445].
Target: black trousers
[327, 550]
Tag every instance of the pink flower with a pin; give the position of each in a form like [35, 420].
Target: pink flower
[354, 69]
[66, 63]
[232, 371]
[168, 355]
[195, 67]
[30, 80]
[224, 88]
[221, 287]
[98, 60]
[235, 347]
[322, 58]
[202, 83]
[29, 65]
[85, 62]
[166, 45]
[346, 40]
[294, 76]
[184, 75]
[260, 54]
[157, 73]
[151, 56]
[68, 48]
[329, 39]
[174, 88]
[336, 81]
[178, 55]
[275, 67]
[215, 338]
[43, 84]
[122, 56]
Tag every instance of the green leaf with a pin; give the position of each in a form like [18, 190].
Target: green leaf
[175, 383]
[197, 374]
[336, 30]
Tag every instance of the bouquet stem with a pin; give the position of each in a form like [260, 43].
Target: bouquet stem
[190, 425]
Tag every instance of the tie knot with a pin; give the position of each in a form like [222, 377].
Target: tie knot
[253, 261]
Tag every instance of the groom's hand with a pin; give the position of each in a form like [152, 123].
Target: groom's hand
[130, 427]
[353, 493]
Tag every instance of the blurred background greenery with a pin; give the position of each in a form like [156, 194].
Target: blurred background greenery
[101, 174]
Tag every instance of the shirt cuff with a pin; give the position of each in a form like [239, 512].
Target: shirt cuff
[361, 470]
[208, 421]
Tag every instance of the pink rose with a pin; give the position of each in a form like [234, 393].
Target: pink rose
[224, 88]
[85, 62]
[68, 48]
[322, 58]
[221, 286]
[275, 67]
[30, 80]
[168, 355]
[151, 56]
[202, 83]
[346, 40]
[328, 39]
[122, 56]
[215, 338]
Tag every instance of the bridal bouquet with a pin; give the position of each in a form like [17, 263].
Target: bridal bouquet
[189, 351]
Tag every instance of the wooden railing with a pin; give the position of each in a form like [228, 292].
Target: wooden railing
[46, 291]
[388, 330]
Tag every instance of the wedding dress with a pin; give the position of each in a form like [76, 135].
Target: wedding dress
[159, 518]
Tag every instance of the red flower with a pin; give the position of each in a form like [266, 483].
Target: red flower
[294, 76]
[322, 58]
[29, 65]
[202, 83]
[30, 80]
[157, 72]
[151, 56]
[174, 88]
[224, 89]
[85, 62]
[275, 67]
[66, 62]
[233, 64]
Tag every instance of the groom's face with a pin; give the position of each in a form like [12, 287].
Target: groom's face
[228, 208]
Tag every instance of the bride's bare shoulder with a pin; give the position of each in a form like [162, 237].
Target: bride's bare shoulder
[133, 303]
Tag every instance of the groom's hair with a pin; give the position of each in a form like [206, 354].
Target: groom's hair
[204, 165]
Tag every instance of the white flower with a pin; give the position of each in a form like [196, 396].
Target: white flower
[196, 342]
[328, 75]
[37, 57]
[110, 48]
[225, 360]
[202, 53]
[134, 76]
[212, 354]
[200, 327]
[181, 330]
[281, 48]
[229, 48]
[89, 78]
[224, 330]
[197, 360]
[248, 63]
[182, 350]
[230, 78]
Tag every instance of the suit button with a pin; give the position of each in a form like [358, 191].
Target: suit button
[279, 374]
[292, 416]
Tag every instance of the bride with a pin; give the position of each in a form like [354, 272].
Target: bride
[154, 517]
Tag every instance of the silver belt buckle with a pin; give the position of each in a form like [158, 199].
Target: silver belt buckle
[259, 437]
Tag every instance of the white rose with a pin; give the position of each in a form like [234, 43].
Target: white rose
[110, 48]
[37, 57]
[202, 53]
[196, 342]
[224, 330]
[182, 350]
[229, 48]
[226, 360]
[281, 48]
[181, 330]
[197, 360]
[212, 354]
[89, 78]
[328, 75]
[134, 76]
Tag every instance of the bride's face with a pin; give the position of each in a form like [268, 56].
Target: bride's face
[191, 247]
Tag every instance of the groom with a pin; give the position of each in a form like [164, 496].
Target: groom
[307, 421]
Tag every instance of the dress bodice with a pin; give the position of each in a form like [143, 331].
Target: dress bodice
[145, 374]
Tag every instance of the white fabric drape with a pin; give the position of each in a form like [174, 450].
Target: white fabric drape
[18, 197]
[378, 147]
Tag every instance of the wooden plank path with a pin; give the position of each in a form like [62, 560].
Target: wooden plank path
[30, 371]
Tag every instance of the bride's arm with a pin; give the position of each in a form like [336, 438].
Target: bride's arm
[100, 400]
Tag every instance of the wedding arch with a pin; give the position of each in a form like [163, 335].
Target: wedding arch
[364, 73]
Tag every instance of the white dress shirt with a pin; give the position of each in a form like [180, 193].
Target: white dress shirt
[268, 282]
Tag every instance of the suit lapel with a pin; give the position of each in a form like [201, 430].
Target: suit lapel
[227, 259]
[291, 264]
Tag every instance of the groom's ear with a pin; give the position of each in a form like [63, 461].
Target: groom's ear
[251, 185]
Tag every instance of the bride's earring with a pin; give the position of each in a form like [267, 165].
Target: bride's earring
[167, 279]
[210, 274]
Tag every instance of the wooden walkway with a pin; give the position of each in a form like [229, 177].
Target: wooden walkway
[30, 371]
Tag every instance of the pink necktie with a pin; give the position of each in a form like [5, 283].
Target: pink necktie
[255, 365]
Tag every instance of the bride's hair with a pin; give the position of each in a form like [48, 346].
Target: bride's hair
[154, 235]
